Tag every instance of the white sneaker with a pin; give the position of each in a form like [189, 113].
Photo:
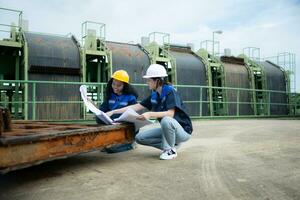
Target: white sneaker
[168, 154]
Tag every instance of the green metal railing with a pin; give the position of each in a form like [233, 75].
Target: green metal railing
[292, 106]
[9, 86]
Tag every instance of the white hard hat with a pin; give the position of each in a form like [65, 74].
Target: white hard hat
[155, 70]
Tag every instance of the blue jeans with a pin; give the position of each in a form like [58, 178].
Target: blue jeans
[165, 137]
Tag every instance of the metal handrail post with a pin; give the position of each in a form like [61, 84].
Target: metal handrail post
[201, 102]
[33, 101]
[269, 103]
[238, 103]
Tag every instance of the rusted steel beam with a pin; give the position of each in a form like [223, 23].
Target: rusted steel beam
[19, 151]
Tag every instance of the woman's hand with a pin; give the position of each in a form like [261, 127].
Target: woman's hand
[144, 116]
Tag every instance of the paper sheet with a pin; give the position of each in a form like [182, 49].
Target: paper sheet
[128, 116]
[90, 106]
[131, 116]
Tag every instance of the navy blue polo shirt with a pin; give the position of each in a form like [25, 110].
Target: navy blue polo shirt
[169, 99]
[117, 101]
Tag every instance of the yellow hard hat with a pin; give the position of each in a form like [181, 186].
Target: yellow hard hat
[121, 75]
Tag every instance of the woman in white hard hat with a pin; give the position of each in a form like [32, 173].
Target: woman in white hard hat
[176, 126]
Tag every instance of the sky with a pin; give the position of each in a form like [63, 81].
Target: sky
[273, 26]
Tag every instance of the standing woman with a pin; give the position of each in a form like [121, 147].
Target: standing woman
[165, 105]
[119, 93]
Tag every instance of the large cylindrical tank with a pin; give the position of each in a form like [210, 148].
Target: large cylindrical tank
[275, 80]
[133, 59]
[237, 76]
[190, 71]
[53, 58]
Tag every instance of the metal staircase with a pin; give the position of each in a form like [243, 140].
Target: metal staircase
[258, 84]
[216, 81]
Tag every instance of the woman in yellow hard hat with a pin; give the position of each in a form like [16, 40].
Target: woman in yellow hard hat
[119, 93]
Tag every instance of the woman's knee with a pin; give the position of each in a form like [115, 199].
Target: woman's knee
[138, 138]
[166, 121]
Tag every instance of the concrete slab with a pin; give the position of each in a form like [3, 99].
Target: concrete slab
[225, 159]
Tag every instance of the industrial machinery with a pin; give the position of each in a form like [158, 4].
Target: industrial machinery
[41, 73]
[31, 56]
[53, 58]
[257, 84]
[12, 63]
[236, 74]
[216, 80]
[134, 59]
[191, 71]
[96, 58]
[160, 53]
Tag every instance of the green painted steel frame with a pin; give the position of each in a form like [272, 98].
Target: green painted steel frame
[253, 69]
[15, 41]
[161, 53]
[213, 63]
[100, 52]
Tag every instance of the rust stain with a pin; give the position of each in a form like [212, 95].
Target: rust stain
[80, 138]
[23, 128]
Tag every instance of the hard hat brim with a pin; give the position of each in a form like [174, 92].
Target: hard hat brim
[154, 76]
[119, 79]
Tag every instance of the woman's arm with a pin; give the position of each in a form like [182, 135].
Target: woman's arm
[135, 107]
[148, 115]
